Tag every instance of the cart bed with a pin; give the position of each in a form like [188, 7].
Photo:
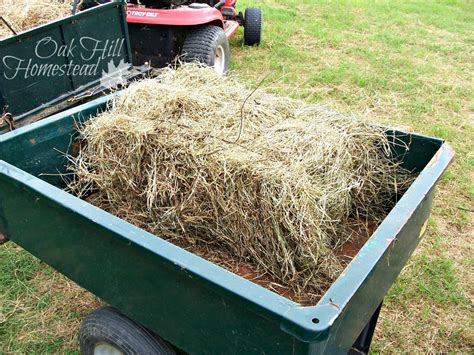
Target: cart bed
[192, 303]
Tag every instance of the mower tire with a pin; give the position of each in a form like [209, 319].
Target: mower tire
[252, 26]
[207, 45]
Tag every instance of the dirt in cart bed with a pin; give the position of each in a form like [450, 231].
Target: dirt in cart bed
[306, 296]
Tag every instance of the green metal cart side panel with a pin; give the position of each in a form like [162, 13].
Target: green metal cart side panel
[191, 302]
[29, 85]
[20, 89]
[358, 306]
[108, 43]
[346, 307]
[421, 149]
[41, 151]
[136, 272]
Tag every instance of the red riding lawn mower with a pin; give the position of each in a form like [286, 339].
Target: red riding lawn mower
[193, 30]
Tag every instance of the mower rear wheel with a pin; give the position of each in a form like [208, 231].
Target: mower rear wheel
[252, 26]
[207, 45]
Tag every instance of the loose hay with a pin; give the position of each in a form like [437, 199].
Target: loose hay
[25, 14]
[273, 184]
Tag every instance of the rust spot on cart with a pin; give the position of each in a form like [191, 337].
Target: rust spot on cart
[334, 305]
[76, 148]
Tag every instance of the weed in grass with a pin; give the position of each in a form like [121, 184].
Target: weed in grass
[40, 310]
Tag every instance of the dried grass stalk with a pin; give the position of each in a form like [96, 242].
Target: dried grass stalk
[23, 15]
[168, 156]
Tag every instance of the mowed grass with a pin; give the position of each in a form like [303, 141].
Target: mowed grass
[400, 63]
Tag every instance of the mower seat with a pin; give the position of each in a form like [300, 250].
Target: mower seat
[199, 5]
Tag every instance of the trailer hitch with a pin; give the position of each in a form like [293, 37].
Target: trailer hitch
[6, 119]
[9, 121]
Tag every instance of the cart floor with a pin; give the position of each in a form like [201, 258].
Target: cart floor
[345, 253]
[360, 230]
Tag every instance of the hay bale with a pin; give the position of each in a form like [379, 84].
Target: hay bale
[273, 184]
[23, 15]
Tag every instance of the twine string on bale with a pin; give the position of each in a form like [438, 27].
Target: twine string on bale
[5, 22]
[281, 200]
[243, 105]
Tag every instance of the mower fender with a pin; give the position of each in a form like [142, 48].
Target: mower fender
[177, 17]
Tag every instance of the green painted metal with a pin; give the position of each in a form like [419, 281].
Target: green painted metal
[42, 69]
[194, 304]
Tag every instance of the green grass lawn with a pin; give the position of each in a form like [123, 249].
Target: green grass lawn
[401, 63]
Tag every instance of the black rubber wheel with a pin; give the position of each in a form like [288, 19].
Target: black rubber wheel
[107, 331]
[207, 45]
[252, 26]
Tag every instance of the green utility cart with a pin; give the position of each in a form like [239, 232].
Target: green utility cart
[157, 288]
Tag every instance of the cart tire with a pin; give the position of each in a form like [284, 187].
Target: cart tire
[107, 331]
[252, 26]
[207, 45]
